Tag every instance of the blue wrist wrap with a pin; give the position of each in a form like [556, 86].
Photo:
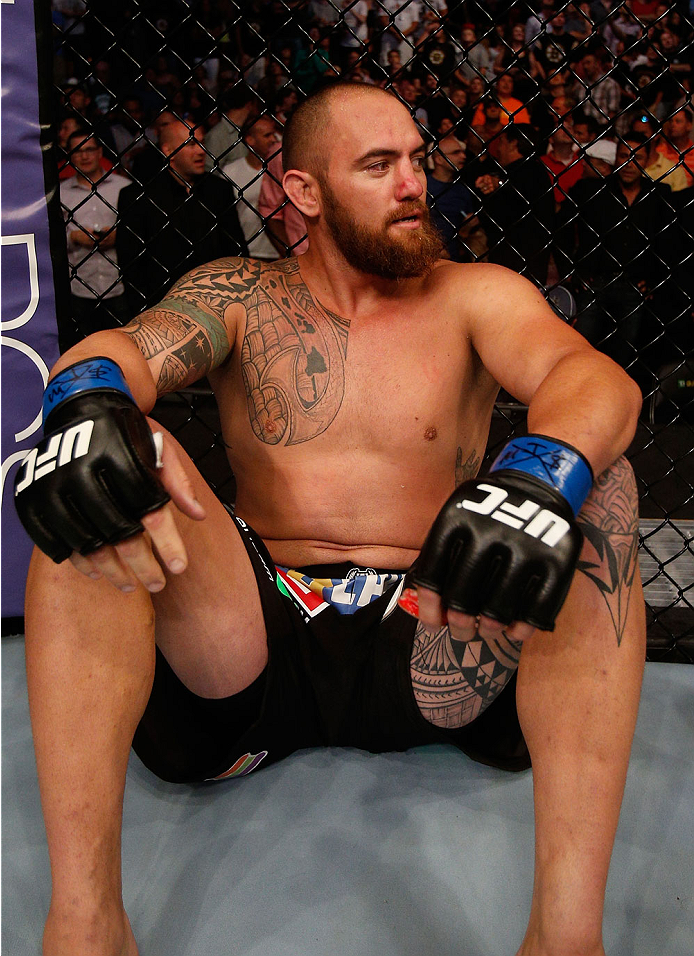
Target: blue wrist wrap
[89, 374]
[558, 465]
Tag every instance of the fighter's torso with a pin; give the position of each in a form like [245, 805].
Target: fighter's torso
[347, 433]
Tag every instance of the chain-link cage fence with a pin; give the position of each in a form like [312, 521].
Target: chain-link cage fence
[559, 144]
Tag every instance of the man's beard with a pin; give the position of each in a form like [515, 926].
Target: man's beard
[374, 250]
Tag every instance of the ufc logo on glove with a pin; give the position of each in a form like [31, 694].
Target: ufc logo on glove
[545, 525]
[62, 448]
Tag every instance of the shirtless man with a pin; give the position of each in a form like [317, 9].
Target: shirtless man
[355, 386]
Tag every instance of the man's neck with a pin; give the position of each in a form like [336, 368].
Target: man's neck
[253, 161]
[181, 181]
[563, 151]
[443, 175]
[631, 192]
[88, 183]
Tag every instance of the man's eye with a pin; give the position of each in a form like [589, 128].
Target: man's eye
[379, 167]
[418, 162]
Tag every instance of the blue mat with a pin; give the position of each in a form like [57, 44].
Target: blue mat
[339, 851]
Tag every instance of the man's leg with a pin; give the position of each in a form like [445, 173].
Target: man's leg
[578, 695]
[90, 664]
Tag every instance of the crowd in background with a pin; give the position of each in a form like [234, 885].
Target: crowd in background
[560, 141]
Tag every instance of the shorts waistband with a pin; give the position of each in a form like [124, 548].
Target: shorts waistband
[341, 586]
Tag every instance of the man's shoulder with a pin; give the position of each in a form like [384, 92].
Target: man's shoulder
[234, 277]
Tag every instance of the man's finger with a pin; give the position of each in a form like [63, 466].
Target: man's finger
[431, 611]
[166, 538]
[136, 554]
[174, 478]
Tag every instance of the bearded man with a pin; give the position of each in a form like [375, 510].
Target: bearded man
[355, 387]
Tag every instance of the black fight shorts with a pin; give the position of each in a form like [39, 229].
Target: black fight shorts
[332, 680]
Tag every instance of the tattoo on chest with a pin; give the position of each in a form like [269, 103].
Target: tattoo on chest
[468, 468]
[292, 360]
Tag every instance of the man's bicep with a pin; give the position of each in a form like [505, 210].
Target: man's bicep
[191, 331]
[517, 335]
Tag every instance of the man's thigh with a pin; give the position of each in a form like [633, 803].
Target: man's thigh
[209, 620]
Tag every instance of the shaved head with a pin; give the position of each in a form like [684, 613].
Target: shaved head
[307, 134]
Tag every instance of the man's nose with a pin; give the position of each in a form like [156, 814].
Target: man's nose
[409, 185]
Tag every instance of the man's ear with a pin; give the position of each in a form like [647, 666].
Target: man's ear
[303, 191]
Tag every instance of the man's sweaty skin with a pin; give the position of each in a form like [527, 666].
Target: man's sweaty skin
[331, 381]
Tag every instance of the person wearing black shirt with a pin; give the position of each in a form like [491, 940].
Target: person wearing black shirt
[622, 233]
[518, 206]
[184, 218]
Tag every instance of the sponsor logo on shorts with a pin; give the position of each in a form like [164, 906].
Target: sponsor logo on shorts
[242, 766]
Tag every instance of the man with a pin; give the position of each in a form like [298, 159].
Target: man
[223, 142]
[621, 252]
[129, 132]
[90, 200]
[518, 207]
[562, 160]
[450, 200]
[261, 138]
[355, 387]
[183, 217]
[658, 167]
[597, 94]
[677, 144]
[512, 110]
[284, 223]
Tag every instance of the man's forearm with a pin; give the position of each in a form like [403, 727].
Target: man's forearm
[121, 348]
[589, 402]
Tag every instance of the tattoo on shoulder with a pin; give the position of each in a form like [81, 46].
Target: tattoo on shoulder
[610, 524]
[293, 359]
[468, 468]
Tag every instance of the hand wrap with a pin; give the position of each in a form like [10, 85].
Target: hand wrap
[506, 546]
[93, 476]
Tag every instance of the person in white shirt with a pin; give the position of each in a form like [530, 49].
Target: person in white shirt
[89, 200]
[262, 140]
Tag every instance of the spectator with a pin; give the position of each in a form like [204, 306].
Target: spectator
[596, 93]
[355, 34]
[400, 23]
[223, 142]
[620, 252]
[519, 62]
[184, 218]
[284, 223]
[658, 167]
[677, 145]
[314, 63]
[150, 161]
[436, 55]
[473, 58]
[485, 137]
[552, 49]
[450, 200]
[578, 21]
[89, 201]
[128, 133]
[539, 22]
[67, 127]
[261, 138]
[518, 207]
[512, 110]
[600, 159]
[563, 161]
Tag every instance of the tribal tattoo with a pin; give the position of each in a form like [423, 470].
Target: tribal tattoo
[466, 469]
[454, 681]
[292, 360]
[610, 524]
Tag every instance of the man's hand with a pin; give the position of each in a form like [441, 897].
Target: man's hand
[95, 489]
[502, 552]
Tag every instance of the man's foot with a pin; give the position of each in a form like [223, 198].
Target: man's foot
[73, 935]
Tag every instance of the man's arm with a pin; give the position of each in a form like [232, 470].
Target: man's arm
[574, 393]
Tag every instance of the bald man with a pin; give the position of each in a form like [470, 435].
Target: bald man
[355, 386]
[176, 220]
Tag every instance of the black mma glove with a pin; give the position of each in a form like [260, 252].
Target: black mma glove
[506, 546]
[93, 475]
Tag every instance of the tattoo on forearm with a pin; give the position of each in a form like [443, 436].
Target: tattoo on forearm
[292, 359]
[610, 524]
[468, 468]
[454, 681]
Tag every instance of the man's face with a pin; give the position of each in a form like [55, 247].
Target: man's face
[630, 160]
[450, 154]
[492, 111]
[678, 125]
[581, 132]
[185, 152]
[133, 112]
[590, 66]
[374, 189]
[505, 86]
[85, 156]
[263, 138]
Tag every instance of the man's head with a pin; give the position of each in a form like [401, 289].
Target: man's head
[132, 113]
[592, 68]
[678, 127]
[492, 111]
[448, 158]
[516, 142]
[85, 154]
[261, 136]
[182, 146]
[504, 85]
[631, 159]
[67, 126]
[354, 167]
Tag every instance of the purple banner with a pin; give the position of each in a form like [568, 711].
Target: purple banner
[29, 331]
